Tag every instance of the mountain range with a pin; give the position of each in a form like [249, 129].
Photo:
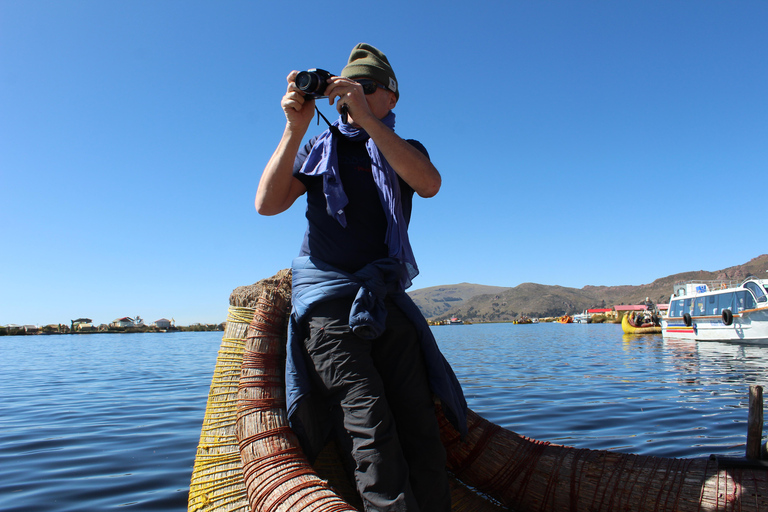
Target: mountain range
[483, 303]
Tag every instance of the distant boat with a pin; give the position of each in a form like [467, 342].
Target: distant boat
[718, 311]
[455, 321]
[523, 320]
[565, 319]
[582, 318]
[646, 322]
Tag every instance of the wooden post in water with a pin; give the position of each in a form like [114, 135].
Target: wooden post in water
[755, 423]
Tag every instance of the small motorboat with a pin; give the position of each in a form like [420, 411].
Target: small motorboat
[582, 318]
[719, 311]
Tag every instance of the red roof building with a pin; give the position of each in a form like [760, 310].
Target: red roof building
[631, 307]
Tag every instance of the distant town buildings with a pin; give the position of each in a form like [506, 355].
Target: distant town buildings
[163, 323]
[123, 324]
[126, 322]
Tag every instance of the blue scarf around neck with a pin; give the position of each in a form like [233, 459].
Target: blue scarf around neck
[323, 161]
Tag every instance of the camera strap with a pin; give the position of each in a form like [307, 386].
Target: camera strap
[333, 129]
[319, 115]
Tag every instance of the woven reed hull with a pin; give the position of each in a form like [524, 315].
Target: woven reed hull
[526, 474]
[491, 466]
[630, 329]
[217, 476]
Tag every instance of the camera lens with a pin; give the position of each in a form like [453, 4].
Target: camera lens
[306, 81]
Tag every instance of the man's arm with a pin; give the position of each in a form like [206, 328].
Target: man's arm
[278, 188]
[408, 162]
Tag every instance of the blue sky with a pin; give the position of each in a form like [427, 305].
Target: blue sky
[580, 143]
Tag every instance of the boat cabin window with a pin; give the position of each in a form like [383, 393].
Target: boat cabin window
[676, 308]
[713, 308]
[757, 290]
[688, 307]
[750, 304]
[698, 309]
[682, 308]
[744, 300]
[725, 301]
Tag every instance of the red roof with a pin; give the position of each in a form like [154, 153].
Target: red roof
[635, 307]
[599, 310]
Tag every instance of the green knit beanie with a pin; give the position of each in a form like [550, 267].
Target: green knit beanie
[365, 61]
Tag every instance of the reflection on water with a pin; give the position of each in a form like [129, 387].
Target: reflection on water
[105, 421]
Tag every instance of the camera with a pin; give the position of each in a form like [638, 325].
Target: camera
[313, 82]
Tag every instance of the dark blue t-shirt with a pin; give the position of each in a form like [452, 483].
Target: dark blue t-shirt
[363, 240]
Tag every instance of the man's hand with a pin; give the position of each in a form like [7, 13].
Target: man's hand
[350, 93]
[366, 112]
[299, 110]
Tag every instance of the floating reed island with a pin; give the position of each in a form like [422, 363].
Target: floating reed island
[249, 459]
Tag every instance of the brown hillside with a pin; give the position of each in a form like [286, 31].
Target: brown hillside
[438, 300]
[497, 304]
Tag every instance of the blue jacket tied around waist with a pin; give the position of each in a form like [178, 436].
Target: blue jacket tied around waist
[315, 281]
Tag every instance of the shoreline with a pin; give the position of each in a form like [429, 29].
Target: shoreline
[20, 331]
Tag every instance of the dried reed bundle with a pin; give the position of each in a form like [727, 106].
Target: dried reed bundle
[525, 474]
[277, 475]
[217, 476]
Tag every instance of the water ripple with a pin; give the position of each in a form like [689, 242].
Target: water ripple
[101, 421]
[105, 421]
[591, 386]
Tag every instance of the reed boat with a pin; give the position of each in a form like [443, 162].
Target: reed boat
[565, 319]
[718, 311]
[632, 323]
[248, 459]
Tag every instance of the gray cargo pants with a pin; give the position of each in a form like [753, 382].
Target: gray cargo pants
[382, 407]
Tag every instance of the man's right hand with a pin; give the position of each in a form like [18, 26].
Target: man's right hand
[298, 109]
[278, 188]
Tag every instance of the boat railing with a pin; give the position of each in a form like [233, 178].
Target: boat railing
[697, 286]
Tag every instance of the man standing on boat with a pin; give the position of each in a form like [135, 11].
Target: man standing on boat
[361, 358]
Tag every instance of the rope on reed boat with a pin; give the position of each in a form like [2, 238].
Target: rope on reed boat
[548, 477]
[277, 475]
[512, 469]
[217, 477]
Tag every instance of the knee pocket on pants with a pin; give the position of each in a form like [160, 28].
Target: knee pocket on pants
[326, 338]
[339, 358]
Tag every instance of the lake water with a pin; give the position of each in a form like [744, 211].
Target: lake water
[97, 422]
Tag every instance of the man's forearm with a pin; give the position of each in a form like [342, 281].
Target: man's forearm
[407, 161]
[277, 190]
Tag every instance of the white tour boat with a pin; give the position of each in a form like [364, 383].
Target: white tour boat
[718, 311]
[582, 318]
